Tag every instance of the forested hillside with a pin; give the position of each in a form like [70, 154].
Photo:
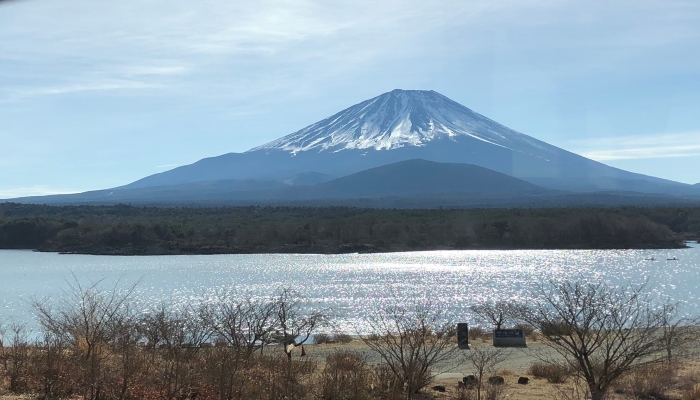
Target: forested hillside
[133, 230]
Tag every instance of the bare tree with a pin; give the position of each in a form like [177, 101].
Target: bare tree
[484, 360]
[244, 325]
[678, 331]
[600, 331]
[86, 318]
[49, 364]
[181, 333]
[497, 313]
[129, 359]
[412, 339]
[294, 324]
[15, 355]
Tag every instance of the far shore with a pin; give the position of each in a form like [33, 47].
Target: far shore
[129, 230]
[360, 249]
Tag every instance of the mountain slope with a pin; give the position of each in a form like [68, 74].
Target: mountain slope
[422, 178]
[406, 179]
[412, 124]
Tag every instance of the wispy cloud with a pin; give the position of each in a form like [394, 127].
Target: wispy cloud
[671, 145]
[37, 190]
[111, 85]
[240, 49]
[137, 70]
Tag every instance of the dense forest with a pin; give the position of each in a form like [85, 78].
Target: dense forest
[130, 230]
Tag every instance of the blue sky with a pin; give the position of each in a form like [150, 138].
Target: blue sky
[96, 94]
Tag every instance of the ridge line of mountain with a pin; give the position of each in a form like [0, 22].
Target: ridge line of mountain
[391, 128]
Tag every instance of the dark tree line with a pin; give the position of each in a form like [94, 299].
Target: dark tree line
[148, 230]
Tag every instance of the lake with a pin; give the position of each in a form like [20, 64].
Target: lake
[352, 285]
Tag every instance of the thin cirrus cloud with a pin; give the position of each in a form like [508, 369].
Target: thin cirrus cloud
[230, 47]
[112, 85]
[672, 145]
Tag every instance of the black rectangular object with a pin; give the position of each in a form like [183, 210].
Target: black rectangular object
[463, 335]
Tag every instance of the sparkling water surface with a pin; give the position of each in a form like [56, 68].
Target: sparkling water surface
[351, 285]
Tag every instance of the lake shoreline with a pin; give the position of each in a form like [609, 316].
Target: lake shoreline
[361, 249]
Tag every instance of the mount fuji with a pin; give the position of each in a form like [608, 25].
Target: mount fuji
[411, 124]
[390, 129]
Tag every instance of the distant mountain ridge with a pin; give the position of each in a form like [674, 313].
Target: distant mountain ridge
[406, 184]
[412, 178]
[409, 144]
[413, 124]
[421, 178]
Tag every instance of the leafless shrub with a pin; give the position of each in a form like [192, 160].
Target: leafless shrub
[476, 333]
[49, 366]
[506, 372]
[494, 392]
[323, 338]
[15, 356]
[277, 378]
[463, 393]
[128, 360]
[346, 376]
[651, 382]
[576, 390]
[94, 345]
[372, 337]
[602, 331]
[388, 384]
[181, 334]
[245, 323]
[225, 368]
[678, 332]
[528, 330]
[87, 318]
[411, 339]
[342, 338]
[484, 361]
[553, 373]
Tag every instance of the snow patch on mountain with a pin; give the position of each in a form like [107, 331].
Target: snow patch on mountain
[398, 119]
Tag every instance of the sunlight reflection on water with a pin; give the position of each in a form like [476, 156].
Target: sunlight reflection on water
[352, 285]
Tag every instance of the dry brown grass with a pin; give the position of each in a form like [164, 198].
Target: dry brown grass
[342, 338]
[346, 376]
[649, 383]
[478, 333]
[692, 393]
[552, 373]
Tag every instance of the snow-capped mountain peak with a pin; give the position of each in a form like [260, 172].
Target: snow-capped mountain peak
[398, 119]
